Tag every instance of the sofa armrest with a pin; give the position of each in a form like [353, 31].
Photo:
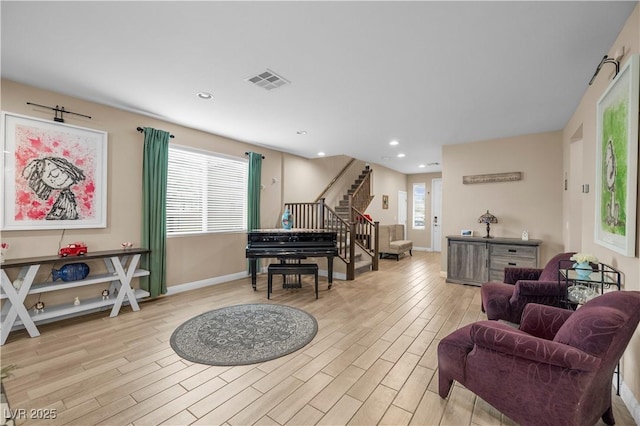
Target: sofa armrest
[515, 343]
[513, 275]
[543, 321]
[538, 288]
[384, 237]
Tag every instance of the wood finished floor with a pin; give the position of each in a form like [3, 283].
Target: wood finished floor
[373, 360]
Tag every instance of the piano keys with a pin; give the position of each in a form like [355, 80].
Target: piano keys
[293, 243]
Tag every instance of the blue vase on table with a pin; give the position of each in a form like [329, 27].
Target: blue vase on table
[287, 219]
[71, 272]
[583, 269]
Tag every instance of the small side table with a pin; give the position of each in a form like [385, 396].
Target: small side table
[603, 278]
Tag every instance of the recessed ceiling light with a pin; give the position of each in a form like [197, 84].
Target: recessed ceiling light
[321, 154]
[385, 158]
[301, 132]
[422, 166]
[204, 95]
[394, 143]
[400, 155]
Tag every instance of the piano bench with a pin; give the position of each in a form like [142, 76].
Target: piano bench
[291, 269]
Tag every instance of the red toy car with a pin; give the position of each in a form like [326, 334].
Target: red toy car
[75, 249]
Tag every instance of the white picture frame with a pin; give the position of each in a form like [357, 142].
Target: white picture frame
[54, 175]
[617, 161]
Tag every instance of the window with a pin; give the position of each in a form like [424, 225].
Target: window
[206, 192]
[419, 204]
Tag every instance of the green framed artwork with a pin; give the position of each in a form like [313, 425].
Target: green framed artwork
[617, 161]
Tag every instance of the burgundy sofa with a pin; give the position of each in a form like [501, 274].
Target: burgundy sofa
[556, 369]
[506, 301]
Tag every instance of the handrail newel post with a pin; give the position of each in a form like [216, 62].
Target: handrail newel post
[351, 267]
[321, 212]
[376, 245]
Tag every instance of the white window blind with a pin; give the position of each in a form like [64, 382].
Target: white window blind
[205, 192]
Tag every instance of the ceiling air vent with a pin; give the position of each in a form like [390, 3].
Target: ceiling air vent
[268, 80]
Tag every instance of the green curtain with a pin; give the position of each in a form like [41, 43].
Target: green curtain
[253, 194]
[154, 218]
[253, 197]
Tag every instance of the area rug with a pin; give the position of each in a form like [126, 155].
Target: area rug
[243, 334]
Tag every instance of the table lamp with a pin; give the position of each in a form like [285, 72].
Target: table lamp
[488, 218]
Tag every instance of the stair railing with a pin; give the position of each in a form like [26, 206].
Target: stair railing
[361, 197]
[320, 216]
[334, 180]
[357, 230]
[366, 236]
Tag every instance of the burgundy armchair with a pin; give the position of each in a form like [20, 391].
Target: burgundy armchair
[556, 369]
[506, 301]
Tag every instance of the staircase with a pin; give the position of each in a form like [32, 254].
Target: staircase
[358, 196]
[357, 236]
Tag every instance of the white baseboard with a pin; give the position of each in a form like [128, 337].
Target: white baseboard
[630, 401]
[179, 288]
[174, 289]
[422, 249]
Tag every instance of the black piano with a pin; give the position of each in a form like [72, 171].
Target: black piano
[290, 244]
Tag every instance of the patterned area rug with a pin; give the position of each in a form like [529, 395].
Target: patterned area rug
[243, 334]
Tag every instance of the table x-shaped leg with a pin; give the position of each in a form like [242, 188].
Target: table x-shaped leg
[14, 307]
[116, 265]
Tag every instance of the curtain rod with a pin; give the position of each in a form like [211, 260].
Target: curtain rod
[141, 130]
[246, 153]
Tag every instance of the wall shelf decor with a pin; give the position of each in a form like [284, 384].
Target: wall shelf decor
[492, 177]
[55, 175]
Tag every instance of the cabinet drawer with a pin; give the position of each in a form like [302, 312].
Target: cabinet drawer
[501, 262]
[513, 250]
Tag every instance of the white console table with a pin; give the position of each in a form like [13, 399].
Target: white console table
[121, 266]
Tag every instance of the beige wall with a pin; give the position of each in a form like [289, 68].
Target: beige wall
[421, 237]
[305, 180]
[533, 203]
[582, 126]
[386, 182]
[189, 259]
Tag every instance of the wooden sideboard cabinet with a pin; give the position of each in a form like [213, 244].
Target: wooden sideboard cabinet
[477, 260]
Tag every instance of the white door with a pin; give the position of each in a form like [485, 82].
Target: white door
[436, 215]
[402, 210]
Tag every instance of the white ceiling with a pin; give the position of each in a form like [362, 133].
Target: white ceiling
[362, 73]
